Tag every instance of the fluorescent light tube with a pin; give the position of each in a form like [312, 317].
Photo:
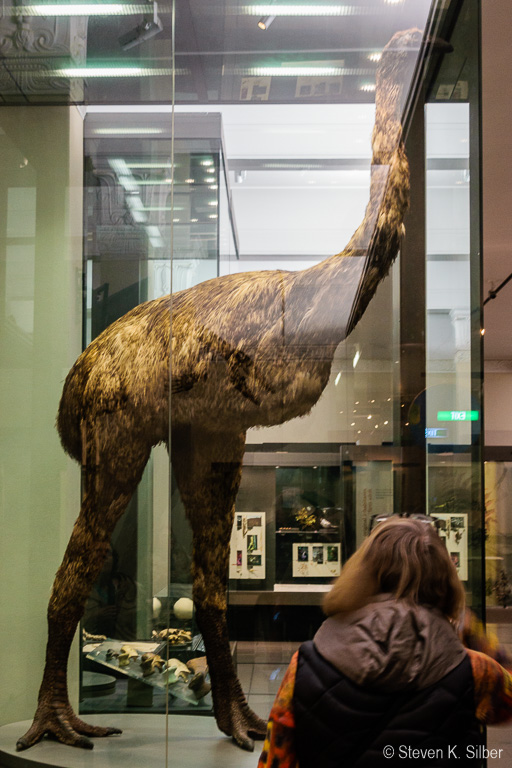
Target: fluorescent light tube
[79, 9]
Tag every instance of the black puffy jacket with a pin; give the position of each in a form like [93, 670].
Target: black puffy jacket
[388, 685]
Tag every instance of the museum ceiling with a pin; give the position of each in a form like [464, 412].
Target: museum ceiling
[60, 53]
[122, 52]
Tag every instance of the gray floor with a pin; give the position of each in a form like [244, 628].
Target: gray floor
[194, 742]
[261, 668]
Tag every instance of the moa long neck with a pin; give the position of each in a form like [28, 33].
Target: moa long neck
[333, 284]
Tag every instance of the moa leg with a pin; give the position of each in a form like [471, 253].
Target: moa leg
[208, 470]
[109, 485]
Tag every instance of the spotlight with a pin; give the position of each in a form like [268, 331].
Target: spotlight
[265, 22]
[148, 28]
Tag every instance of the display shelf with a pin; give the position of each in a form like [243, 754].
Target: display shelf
[133, 670]
[283, 596]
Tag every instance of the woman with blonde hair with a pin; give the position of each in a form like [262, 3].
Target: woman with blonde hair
[388, 679]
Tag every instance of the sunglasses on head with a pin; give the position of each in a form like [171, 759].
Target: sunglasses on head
[427, 519]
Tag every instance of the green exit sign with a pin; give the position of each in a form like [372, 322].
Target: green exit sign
[457, 415]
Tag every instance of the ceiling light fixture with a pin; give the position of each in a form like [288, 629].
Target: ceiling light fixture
[300, 71]
[151, 165]
[119, 166]
[106, 72]
[153, 182]
[163, 208]
[128, 183]
[303, 10]
[265, 22]
[127, 132]
[78, 9]
[148, 28]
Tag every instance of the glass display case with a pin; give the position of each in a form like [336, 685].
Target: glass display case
[145, 189]
[308, 368]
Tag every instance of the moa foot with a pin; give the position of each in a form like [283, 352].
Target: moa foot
[245, 726]
[62, 724]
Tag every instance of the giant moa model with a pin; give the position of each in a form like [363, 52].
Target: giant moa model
[251, 349]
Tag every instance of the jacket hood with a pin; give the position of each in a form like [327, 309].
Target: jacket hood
[391, 643]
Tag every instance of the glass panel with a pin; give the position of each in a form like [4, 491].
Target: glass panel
[134, 218]
[263, 372]
[69, 52]
[104, 53]
[453, 393]
[290, 431]
[316, 53]
[127, 221]
[40, 329]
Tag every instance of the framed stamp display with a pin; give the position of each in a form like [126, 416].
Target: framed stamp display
[316, 558]
[247, 547]
[453, 530]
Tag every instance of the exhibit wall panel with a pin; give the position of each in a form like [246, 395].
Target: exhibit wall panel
[498, 549]
[40, 328]
[498, 407]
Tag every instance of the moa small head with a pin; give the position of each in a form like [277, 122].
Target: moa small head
[399, 58]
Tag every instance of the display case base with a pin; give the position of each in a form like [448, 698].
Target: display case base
[193, 741]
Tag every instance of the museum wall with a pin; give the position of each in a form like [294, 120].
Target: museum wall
[41, 275]
[497, 222]
[498, 408]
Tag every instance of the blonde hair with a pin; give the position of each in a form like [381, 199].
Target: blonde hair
[404, 557]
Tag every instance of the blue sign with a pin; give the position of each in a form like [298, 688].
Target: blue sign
[435, 432]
